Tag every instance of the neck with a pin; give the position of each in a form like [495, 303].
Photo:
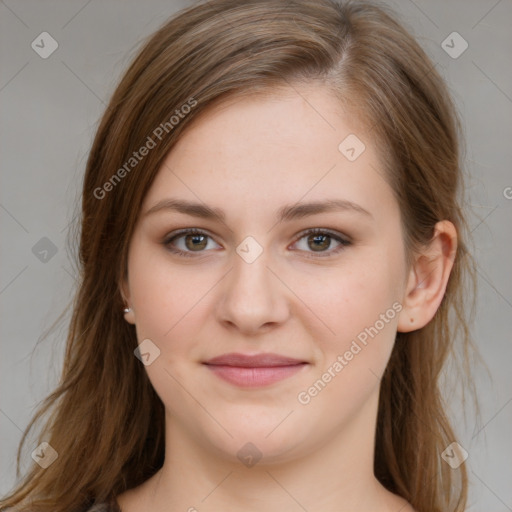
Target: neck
[335, 474]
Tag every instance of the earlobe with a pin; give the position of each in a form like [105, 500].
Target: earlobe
[128, 313]
[428, 279]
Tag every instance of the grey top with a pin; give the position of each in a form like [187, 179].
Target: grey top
[100, 507]
[111, 506]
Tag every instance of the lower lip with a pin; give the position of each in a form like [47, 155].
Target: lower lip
[254, 377]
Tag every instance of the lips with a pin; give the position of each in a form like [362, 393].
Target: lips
[253, 361]
[254, 370]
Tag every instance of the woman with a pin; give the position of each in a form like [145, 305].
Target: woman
[272, 242]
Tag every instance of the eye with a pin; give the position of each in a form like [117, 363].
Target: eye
[320, 239]
[195, 241]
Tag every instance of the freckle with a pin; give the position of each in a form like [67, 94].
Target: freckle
[412, 321]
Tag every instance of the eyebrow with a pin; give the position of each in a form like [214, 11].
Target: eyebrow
[286, 213]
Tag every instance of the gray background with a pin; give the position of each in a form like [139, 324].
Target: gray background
[50, 109]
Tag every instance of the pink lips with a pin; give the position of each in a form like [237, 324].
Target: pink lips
[256, 370]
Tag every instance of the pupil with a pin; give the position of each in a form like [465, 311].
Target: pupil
[321, 238]
[195, 237]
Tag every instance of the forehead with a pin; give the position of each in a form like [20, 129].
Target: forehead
[267, 150]
[282, 120]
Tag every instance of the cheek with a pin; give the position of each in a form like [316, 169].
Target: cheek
[343, 301]
[358, 310]
[169, 311]
[165, 296]
[351, 363]
[363, 313]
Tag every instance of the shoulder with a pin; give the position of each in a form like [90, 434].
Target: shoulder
[110, 506]
[100, 507]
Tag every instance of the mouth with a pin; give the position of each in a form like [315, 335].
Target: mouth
[254, 370]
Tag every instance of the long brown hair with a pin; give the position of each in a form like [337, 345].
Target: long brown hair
[107, 422]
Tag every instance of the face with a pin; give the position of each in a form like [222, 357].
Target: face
[255, 283]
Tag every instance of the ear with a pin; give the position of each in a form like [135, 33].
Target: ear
[124, 289]
[428, 278]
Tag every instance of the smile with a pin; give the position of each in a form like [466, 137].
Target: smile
[255, 370]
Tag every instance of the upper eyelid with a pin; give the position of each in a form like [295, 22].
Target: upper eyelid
[301, 234]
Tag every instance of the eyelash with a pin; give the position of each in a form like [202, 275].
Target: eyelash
[314, 231]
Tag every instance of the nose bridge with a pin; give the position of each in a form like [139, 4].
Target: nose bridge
[251, 264]
[252, 295]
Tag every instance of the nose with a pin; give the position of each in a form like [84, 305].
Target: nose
[253, 298]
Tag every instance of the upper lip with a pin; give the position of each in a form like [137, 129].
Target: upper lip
[253, 361]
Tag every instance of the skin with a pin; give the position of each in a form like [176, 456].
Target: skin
[250, 157]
